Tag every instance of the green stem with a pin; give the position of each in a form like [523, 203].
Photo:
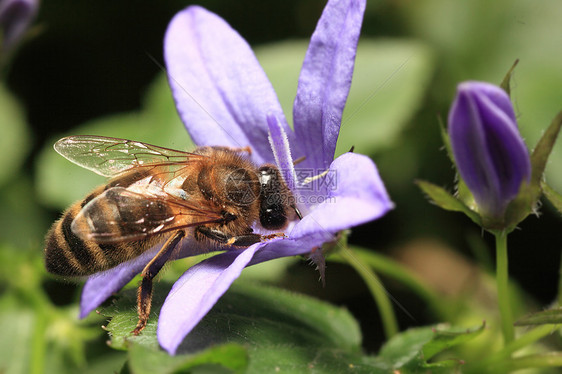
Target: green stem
[380, 295]
[505, 353]
[502, 280]
[390, 268]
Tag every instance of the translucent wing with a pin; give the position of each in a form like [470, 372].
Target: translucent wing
[119, 214]
[113, 156]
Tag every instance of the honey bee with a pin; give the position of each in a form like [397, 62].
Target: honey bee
[159, 197]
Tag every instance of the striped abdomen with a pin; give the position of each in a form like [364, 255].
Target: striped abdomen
[70, 255]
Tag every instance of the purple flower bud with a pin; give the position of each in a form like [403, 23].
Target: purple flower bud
[490, 154]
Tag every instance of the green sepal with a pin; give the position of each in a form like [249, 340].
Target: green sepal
[540, 154]
[446, 140]
[554, 197]
[463, 193]
[544, 317]
[529, 194]
[518, 209]
[505, 83]
[443, 199]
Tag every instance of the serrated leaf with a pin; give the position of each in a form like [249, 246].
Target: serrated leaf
[550, 316]
[443, 199]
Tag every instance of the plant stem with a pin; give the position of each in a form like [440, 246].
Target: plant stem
[385, 266]
[504, 355]
[390, 325]
[502, 280]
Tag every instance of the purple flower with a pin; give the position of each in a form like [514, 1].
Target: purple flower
[224, 98]
[490, 154]
[15, 17]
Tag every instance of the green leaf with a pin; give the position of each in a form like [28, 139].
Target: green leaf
[443, 199]
[550, 316]
[14, 142]
[413, 348]
[389, 81]
[318, 360]
[143, 360]
[281, 331]
[282, 317]
[60, 183]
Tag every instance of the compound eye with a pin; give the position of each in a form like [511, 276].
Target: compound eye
[241, 188]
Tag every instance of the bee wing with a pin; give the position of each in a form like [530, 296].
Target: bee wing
[119, 214]
[113, 156]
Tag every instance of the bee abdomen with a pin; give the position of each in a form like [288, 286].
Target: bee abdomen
[67, 254]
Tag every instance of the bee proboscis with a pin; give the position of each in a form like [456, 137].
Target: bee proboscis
[159, 197]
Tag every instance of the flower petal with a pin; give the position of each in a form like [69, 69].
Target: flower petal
[325, 80]
[290, 247]
[195, 293]
[353, 198]
[281, 151]
[100, 286]
[222, 94]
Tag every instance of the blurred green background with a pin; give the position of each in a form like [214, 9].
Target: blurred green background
[89, 67]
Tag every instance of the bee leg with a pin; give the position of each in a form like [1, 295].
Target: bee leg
[144, 295]
[237, 241]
